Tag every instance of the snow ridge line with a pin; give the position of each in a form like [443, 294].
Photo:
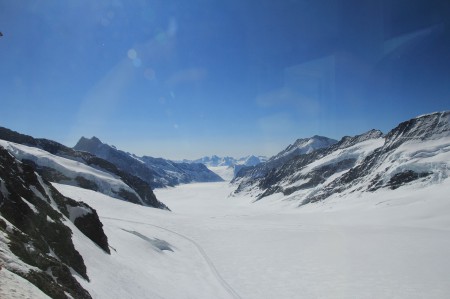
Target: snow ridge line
[202, 252]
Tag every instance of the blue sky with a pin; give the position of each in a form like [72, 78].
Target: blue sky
[183, 79]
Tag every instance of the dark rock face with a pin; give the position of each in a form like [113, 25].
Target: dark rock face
[157, 172]
[405, 177]
[146, 196]
[90, 225]
[38, 233]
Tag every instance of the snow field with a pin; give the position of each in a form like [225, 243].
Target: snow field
[137, 268]
[387, 244]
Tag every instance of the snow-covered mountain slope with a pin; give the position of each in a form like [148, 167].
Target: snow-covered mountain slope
[415, 152]
[75, 173]
[14, 286]
[157, 172]
[58, 163]
[303, 146]
[299, 147]
[36, 227]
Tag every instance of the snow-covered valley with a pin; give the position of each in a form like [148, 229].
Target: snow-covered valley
[385, 244]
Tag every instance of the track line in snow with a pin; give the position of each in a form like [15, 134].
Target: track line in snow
[202, 252]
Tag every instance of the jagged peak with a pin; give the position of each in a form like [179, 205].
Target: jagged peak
[96, 139]
[347, 141]
[311, 140]
[93, 139]
[85, 143]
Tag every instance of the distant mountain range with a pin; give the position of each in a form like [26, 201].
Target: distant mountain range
[157, 172]
[415, 152]
[216, 161]
[228, 167]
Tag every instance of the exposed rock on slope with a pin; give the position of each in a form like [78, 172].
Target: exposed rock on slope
[308, 170]
[416, 150]
[299, 147]
[35, 242]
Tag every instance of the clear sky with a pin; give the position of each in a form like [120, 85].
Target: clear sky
[183, 79]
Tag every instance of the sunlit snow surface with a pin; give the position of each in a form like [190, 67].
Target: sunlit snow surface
[225, 172]
[13, 286]
[387, 244]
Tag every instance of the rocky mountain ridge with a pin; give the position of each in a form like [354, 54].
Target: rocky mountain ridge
[299, 147]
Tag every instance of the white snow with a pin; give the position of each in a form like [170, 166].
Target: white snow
[304, 146]
[32, 207]
[358, 151]
[12, 286]
[225, 172]
[135, 268]
[386, 244]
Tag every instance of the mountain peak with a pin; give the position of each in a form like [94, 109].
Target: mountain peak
[95, 139]
[88, 144]
[306, 145]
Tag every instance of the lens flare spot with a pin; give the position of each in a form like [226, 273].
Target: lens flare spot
[132, 54]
